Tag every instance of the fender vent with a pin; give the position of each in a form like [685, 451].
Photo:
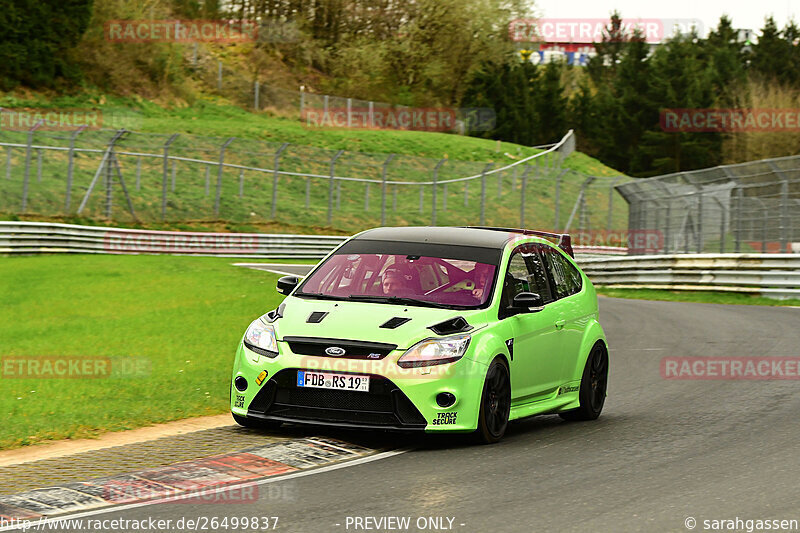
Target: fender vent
[316, 317]
[394, 322]
[451, 326]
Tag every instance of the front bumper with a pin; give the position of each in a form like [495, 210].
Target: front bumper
[398, 399]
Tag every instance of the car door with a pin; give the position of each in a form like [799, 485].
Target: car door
[567, 283]
[536, 366]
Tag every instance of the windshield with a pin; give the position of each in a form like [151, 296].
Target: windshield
[402, 279]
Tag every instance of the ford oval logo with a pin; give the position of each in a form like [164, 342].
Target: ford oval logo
[335, 351]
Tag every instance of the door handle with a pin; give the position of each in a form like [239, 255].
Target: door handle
[560, 324]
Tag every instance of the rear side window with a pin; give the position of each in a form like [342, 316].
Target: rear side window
[566, 277]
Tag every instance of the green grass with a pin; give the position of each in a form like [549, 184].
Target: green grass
[258, 136]
[182, 316]
[710, 297]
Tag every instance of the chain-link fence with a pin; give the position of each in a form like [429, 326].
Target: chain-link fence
[748, 207]
[251, 91]
[144, 177]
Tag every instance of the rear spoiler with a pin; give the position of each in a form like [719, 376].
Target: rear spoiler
[562, 240]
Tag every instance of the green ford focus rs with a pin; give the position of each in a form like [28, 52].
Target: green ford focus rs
[428, 329]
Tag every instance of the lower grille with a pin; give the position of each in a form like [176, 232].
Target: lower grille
[385, 405]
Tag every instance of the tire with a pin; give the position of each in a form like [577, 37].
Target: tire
[495, 404]
[594, 384]
[255, 424]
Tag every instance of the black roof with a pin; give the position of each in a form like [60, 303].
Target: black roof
[480, 238]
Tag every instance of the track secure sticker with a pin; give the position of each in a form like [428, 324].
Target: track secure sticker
[445, 419]
[566, 390]
[239, 404]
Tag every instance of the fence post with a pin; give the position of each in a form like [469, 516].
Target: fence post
[255, 95]
[349, 111]
[483, 192]
[28, 164]
[71, 166]
[220, 168]
[784, 229]
[383, 187]
[435, 180]
[722, 227]
[611, 203]
[219, 75]
[302, 100]
[739, 195]
[275, 179]
[331, 181]
[371, 114]
[499, 185]
[523, 190]
[164, 176]
[38, 165]
[8, 163]
[558, 199]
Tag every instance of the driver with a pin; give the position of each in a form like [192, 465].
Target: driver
[393, 283]
[481, 281]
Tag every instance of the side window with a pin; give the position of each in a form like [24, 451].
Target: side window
[566, 277]
[515, 280]
[539, 282]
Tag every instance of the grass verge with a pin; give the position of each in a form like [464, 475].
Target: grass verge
[178, 318]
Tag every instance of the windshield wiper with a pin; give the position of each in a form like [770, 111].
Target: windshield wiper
[396, 300]
[318, 295]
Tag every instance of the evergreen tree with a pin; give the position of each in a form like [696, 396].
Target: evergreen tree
[37, 38]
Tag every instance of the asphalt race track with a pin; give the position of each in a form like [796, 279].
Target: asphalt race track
[662, 452]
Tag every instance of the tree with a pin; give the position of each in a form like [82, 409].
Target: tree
[37, 38]
[681, 79]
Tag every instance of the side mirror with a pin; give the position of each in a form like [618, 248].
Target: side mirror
[528, 302]
[286, 284]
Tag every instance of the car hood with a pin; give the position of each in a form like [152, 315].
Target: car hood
[362, 320]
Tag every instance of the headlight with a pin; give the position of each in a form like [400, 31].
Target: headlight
[260, 338]
[435, 352]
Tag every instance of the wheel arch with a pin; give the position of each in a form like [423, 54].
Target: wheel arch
[592, 335]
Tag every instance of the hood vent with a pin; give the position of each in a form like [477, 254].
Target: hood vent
[275, 314]
[316, 317]
[451, 326]
[394, 322]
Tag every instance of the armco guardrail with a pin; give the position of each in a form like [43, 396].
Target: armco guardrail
[45, 237]
[770, 275]
[36, 237]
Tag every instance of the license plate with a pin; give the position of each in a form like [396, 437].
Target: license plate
[325, 380]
